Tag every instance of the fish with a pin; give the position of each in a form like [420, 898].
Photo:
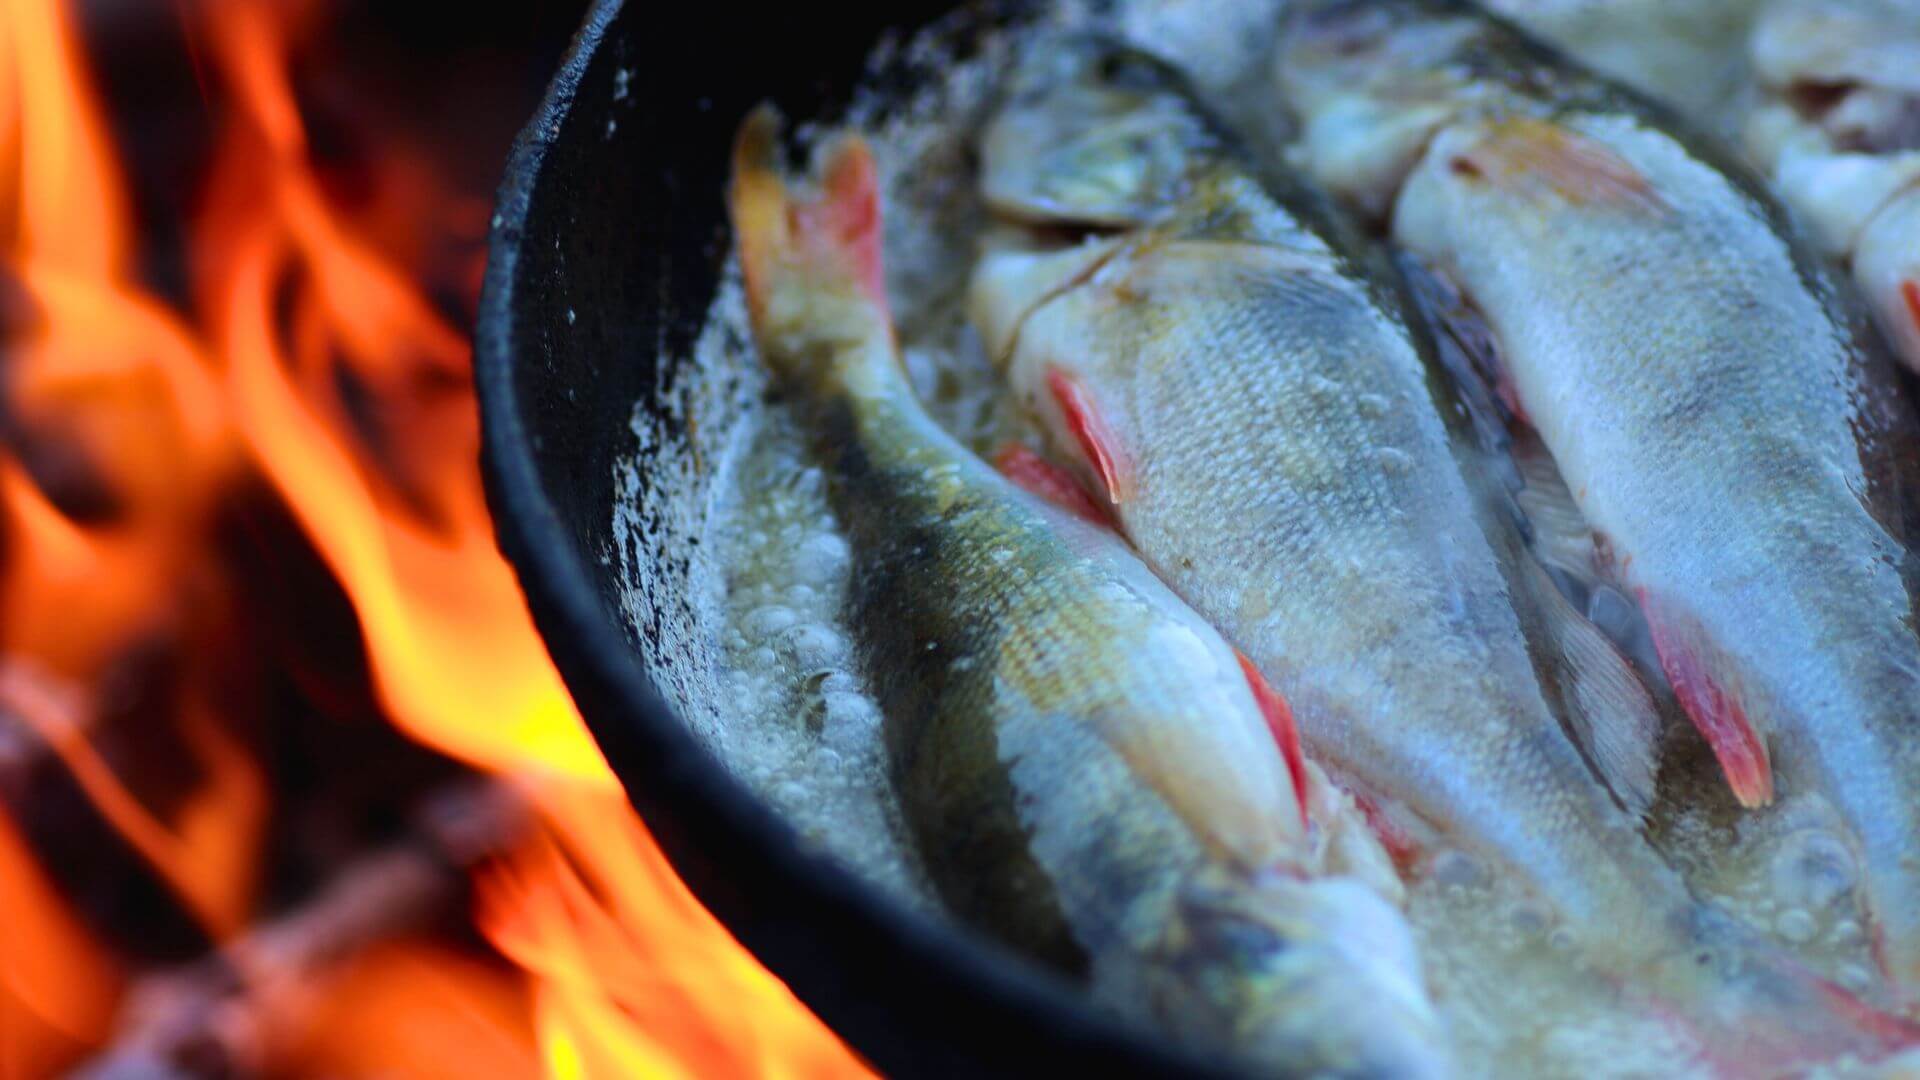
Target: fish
[1686, 53]
[1733, 438]
[1237, 378]
[1836, 128]
[1090, 773]
[1822, 95]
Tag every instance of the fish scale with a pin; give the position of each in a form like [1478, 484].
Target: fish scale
[1088, 770]
[1253, 379]
[1703, 388]
[1204, 357]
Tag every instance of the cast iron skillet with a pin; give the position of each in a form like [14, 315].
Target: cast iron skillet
[605, 249]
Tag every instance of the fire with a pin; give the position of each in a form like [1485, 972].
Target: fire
[308, 356]
[628, 963]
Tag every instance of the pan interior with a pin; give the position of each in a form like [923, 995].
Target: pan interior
[731, 569]
[730, 563]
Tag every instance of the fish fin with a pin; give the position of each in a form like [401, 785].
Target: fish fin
[1710, 692]
[1400, 834]
[1091, 432]
[1758, 1010]
[1465, 347]
[1910, 295]
[1042, 478]
[1537, 157]
[1286, 734]
[1345, 841]
[1559, 534]
[1608, 709]
[798, 250]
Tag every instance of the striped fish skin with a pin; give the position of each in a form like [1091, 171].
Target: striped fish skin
[1087, 769]
[1733, 435]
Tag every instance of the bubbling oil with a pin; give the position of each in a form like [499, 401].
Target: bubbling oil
[798, 724]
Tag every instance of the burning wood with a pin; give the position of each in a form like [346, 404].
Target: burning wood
[219, 1014]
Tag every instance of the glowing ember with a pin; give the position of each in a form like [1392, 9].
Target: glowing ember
[311, 359]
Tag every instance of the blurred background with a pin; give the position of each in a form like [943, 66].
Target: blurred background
[287, 784]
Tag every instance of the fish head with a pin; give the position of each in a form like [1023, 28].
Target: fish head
[1010, 282]
[1090, 133]
[1302, 975]
[1371, 82]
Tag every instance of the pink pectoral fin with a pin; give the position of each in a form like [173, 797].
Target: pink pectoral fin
[1401, 845]
[1037, 476]
[1091, 431]
[1710, 694]
[1286, 734]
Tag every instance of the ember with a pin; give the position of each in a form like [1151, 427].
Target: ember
[238, 428]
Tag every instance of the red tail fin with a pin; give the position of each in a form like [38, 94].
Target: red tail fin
[822, 241]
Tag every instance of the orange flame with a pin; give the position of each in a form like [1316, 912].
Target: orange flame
[115, 382]
[56, 985]
[457, 661]
[629, 963]
[411, 1009]
[298, 303]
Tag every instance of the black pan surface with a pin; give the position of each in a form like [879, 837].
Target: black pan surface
[605, 251]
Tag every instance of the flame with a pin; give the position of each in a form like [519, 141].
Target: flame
[309, 356]
[455, 657]
[415, 1009]
[207, 857]
[71, 209]
[627, 960]
[109, 386]
[57, 986]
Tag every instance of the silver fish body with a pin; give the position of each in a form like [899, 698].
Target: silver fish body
[1088, 771]
[1242, 387]
[1726, 429]
[1262, 420]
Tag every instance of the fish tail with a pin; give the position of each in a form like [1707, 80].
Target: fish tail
[812, 258]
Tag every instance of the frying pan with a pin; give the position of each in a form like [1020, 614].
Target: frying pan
[606, 249]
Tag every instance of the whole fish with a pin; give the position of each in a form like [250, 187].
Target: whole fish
[1739, 449]
[1090, 771]
[1250, 403]
[1836, 127]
